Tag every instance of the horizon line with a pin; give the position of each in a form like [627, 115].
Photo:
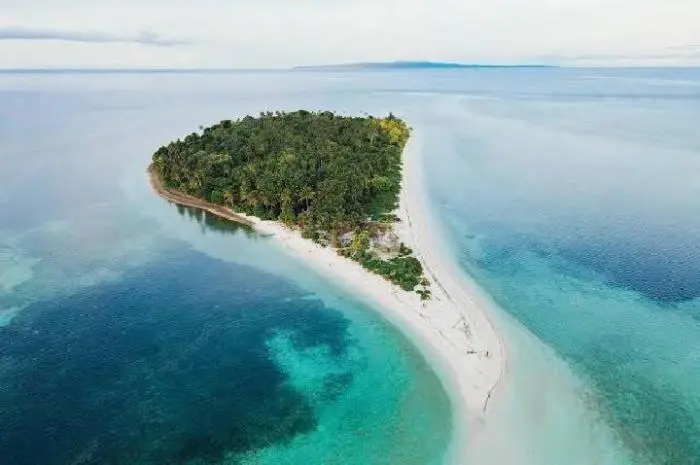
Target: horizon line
[368, 66]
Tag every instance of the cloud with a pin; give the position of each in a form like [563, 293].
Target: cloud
[688, 51]
[145, 38]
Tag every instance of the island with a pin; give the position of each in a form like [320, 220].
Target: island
[344, 195]
[334, 178]
[418, 66]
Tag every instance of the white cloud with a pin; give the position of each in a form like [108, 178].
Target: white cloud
[279, 33]
[25, 34]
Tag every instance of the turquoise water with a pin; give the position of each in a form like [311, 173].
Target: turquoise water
[133, 331]
[570, 196]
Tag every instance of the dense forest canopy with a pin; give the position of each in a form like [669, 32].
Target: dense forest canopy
[314, 169]
[333, 176]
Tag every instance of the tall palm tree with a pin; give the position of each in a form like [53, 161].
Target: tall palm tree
[306, 195]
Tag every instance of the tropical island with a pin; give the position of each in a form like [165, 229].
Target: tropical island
[326, 187]
[335, 178]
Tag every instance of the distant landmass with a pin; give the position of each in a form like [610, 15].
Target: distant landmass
[408, 65]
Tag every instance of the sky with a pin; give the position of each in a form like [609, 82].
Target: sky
[286, 33]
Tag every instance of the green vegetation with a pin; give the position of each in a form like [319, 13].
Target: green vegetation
[403, 269]
[337, 178]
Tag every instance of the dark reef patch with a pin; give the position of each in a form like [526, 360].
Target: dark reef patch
[169, 365]
[666, 276]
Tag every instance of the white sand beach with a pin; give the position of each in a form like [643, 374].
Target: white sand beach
[452, 330]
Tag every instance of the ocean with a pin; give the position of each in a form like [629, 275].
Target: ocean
[135, 332]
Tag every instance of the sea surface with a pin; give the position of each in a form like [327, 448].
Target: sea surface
[136, 332]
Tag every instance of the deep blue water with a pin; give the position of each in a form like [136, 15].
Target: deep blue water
[161, 366]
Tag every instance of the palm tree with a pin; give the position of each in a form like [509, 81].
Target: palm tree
[306, 195]
[228, 197]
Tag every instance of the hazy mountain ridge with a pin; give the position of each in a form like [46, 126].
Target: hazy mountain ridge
[408, 65]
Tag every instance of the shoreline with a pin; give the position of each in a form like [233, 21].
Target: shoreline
[451, 330]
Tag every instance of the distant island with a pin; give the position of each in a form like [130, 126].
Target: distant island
[412, 65]
[335, 178]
